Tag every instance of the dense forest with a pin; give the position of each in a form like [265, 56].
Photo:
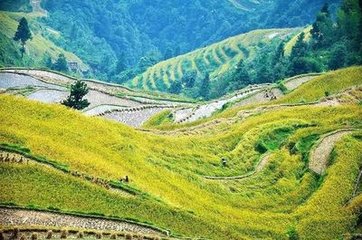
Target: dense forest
[332, 43]
[140, 33]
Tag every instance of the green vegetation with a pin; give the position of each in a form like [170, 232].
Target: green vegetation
[114, 38]
[262, 56]
[16, 5]
[162, 118]
[39, 48]
[229, 64]
[332, 82]
[22, 34]
[75, 100]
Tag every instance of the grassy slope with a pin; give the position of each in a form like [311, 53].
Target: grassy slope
[169, 168]
[327, 84]
[39, 45]
[163, 117]
[331, 82]
[215, 59]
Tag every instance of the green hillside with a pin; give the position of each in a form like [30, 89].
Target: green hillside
[168, 170]
[37, 49]
[217, 60]
[105, 33]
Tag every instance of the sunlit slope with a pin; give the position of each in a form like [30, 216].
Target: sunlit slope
[39, 45]
[325, 85]
[215, 59]
[172, 169]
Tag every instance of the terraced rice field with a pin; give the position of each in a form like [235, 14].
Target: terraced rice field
[215, 59]
[49, 87]
[266, 189]
[9, 80]
[48, 95]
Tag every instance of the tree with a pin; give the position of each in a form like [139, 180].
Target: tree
[168, 54]
[300, 47]
[279, 63]
[322, 28]
[204, 91]
[175, 87]
[121, 63]
[75, 100]
[338, 57]
[61, 64]
[240, 78]
[22, 34]
[47, 61]
[189, 79]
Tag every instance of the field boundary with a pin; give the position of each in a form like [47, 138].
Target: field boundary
[86, 215]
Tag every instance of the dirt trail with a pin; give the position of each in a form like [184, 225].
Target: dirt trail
[320, 155]
[20, 217]
[261, 165]
[294, 83]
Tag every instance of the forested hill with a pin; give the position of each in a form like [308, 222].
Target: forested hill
[102, 32]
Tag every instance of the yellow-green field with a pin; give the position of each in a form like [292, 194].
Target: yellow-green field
[284, 199]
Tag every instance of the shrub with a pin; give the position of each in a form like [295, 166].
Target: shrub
[49, 234]
[22, 237]
[34, 236]
[292, 234]
[16, 232]
[64, 234]
[98, 235]
[260, 147]
[128, 236]
[80, 235]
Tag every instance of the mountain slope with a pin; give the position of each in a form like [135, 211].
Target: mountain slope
[128, 31]
[217, 60]
[37, 48]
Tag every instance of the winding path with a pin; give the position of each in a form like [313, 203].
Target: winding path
[320, 155]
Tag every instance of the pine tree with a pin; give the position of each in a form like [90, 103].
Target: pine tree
[176, 87]
[338, 57]
[168, 54]
[23, 34]
[189, 78]
[121, 63]
[75, 100]
[322, 30]
[61, 64]
[204, 91]
[300, 47]
[241, 77]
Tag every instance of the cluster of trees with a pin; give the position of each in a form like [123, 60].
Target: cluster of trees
[16, 5]
[332, 43]
[60, 65]
[192, 85]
